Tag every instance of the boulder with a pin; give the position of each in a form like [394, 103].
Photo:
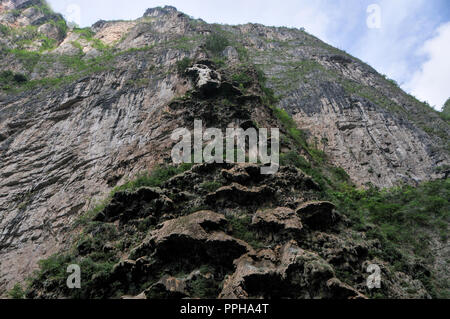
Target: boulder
[195, 226]
[279, 223]
[197, 239]
[31, 16]
[206, 79]
[318, 215]
[239, 194]
[288, 271]
[231, 54]
[236, 175]
[243, 173]
[50, 31]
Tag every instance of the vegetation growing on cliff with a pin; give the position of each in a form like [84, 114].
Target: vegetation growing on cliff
[155, 178]
[216, 43]
[445, 114]
[17, 292]
[10, 79]
[402, 219]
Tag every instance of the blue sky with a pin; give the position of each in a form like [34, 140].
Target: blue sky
[408, 40]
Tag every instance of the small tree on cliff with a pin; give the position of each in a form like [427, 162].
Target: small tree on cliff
[445, 114]
[446, 109]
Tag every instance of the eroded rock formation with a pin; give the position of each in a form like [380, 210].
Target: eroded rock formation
[100, 105]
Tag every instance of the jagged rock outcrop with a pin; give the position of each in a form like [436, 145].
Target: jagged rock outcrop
[196, 236]
[367, 125]
[227, 251]
[99, 105]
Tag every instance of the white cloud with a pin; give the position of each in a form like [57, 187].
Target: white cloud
[432, 81]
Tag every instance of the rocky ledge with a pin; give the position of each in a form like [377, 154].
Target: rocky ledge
[201, 234]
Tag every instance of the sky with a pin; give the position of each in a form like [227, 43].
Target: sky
[407, 40]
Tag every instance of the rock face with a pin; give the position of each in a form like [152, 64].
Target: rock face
[227, 251]
[101, 104]
[367, 125]
[278, 222]
[194, 236]
[289, 271]
[318, 215]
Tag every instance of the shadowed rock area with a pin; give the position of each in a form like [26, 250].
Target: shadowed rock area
[223, 249]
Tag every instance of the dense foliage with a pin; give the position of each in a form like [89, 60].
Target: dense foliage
[183, 64]
[405, 220]
[89, 250]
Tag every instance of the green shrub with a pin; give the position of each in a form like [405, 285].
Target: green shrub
[297, 135]
[446, 108]
[318, 155]
[88, 34]
[241, 227]
[78, 45]
[154, 179]
[27, 58]
[242, 52]
[204, 288]
[6, 75]
[295, 159]
[445, 114]
[269, 97]
[219, 61]
[341, 174]
[53, 275]
[85, 33]
[47, 43]
[61, 25]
